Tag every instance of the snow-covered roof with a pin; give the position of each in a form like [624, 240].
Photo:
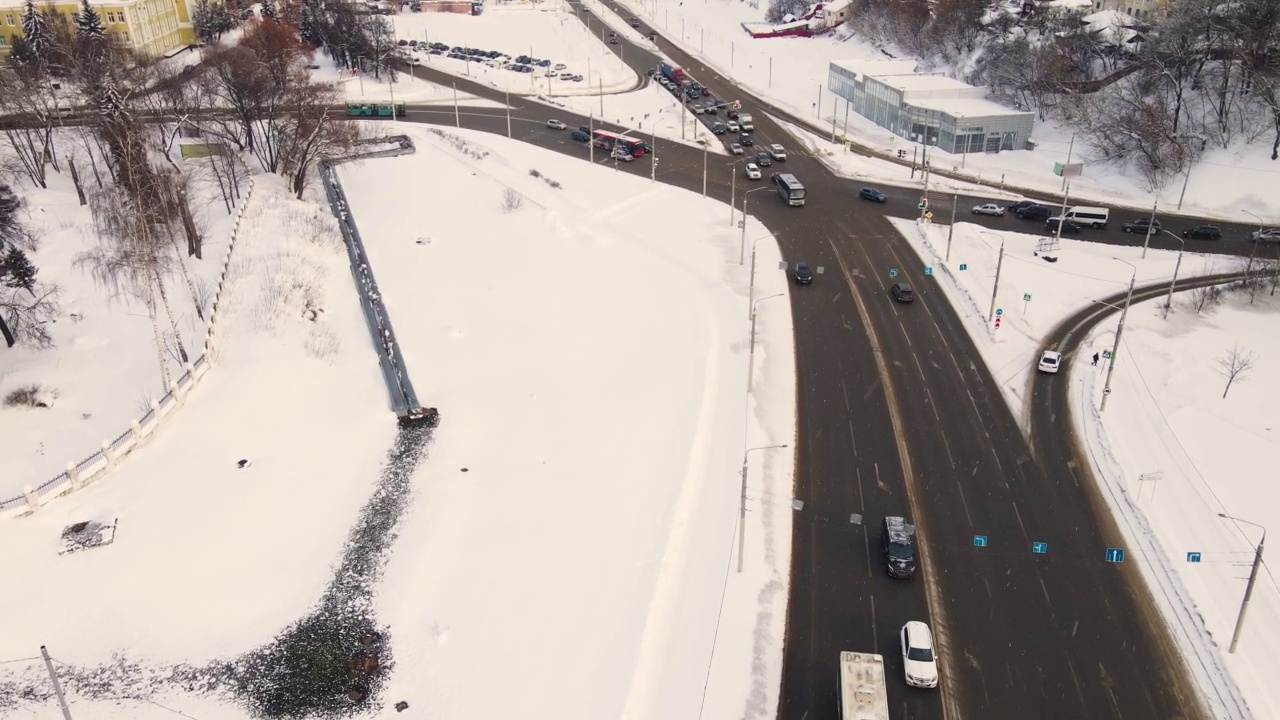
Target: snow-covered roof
[967, 107]
[876, 67]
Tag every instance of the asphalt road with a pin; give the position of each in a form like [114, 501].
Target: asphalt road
[897, 416]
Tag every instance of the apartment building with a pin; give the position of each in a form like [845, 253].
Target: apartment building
[153, 27]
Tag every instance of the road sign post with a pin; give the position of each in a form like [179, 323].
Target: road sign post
[1115, 555]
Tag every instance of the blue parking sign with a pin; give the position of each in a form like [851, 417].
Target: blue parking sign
[1115, 555]
[964, 266]
[1193, 557]
[1040, 548]
[979, 540]
[893, 272]
[928, 270]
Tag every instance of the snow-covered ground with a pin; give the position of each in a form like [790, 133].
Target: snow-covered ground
[547, 31]
[792, 73]
[650, 110]
[364, 87]
[577, 515]
[1171, 451]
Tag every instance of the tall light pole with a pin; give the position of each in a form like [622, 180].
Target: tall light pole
[1151, 229]
[955, 198]
[1177, 266]
[1115, 347]
[995, 287]
[457, 118]
[733, 186]
[1248, 589]
[1187, 180]
[704, 169]
[742, 252]
[751, 290]
[1249, 267]
[742, 502]
[508, 114]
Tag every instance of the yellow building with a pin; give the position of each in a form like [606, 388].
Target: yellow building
[154, 27]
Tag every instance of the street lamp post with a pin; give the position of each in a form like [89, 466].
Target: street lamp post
[1249, 267]
[733, 186]
[1248, 589]
[742, 501]
[1151, 229]
[995, 287]
[1187, 179]
[1177, 266]
[742, 252]
[751, 353]
[751, 289]
[1115, 347]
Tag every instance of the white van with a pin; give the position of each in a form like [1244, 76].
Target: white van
[1094, 217]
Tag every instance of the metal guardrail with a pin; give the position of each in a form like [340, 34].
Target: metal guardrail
[404, 401]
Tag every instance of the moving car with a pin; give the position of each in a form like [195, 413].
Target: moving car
[1145, 226]
[556, 125]
[778, 152]
[1050, 361]
[802, 273]
[898, 543]
[991, 209]
[1266, 235]
[736, 149]
[763, 159]
[581, 136]
[753, 171]
[919, 660]
[746, 139]
[1203, 232]
[873, 195]
[718, 128]
[732, 125]
[1015, 207]
[902, 292]
[1069, 227]
[1034, 212]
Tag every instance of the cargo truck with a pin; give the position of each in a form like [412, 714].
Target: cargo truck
[863, 694]
[744, 121]
[673, 73]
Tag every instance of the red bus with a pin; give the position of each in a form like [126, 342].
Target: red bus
[609, 140]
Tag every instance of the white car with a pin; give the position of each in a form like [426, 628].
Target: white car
[733, 126]
[988, 209]
[753, 171]
[778, 152]
[556, 125]
[736, 149]
[1050, 361]
[918, 657]
[1266, 235]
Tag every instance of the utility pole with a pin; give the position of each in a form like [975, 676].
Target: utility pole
[955, 198]
[733, 189]
[508, 114]
[1151, 229]
[704, 170]
[57, 686]
[457, 119]
[1070, 147]
[995, 287]
[1177, 266]
[1253, 577]
[653, 158]
[591, 139]
[1115, 347]
[1062, 214]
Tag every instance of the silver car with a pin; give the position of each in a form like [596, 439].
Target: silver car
[988, 209]
[1266, 235]
[736, 149]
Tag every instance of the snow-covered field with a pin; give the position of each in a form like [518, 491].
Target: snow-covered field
[792, 72]
[1172, 452]
[550, 33]
[650, 110]
[364, 87]
[577, 515]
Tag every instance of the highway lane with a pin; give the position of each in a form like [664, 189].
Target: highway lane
[1005, 615]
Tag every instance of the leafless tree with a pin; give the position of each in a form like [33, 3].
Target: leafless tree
[1234, 365]
[1204, 297]
[309, 133]
[26, 314]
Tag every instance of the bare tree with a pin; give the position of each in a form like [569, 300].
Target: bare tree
[1234, 365]
[309, 133]
[1205, 297]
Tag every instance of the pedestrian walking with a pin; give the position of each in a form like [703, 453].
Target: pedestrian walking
[1095, 358]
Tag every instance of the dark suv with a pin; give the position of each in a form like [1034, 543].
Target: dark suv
[1034, 212]
[898, 541]
[802, 273]
[1144, 226]
[902, 292]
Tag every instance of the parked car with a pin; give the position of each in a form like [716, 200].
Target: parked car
[1203, 232]
[1266, 235]
[1069, 227]
[753, 171]
[1034, 212]
[1050, 361]
[991, 209]
[1144, 226]
[736, 149]
[919, 661]
[902, 292]
[763, 159]
[802, 273]
[872, 194]
[581, 136]
[556, 125]
[778, 152]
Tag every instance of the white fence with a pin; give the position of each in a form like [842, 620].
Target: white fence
[79, 474]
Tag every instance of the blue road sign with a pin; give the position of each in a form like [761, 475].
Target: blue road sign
[1193, 557]
[1040, 548]
[1115, 555]
[928, 269]
[999, 312]
[893, 272]
[979, 540]
[964, 266]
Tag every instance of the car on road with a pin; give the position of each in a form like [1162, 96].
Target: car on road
[778, 152]
[902, 292]
[634, 22]
[718, 128]
[1069, 227]
[556, 125]
[1050, 361]
[613, 40]
[919, 660]
[753, 171]
[736, 149]
[898, 543]
[746, 139]
[1015, 207]
[581, 136]
[732, 114]
[732, 125]
[1034, 212]
[1265, 235]
[1143, 226]
[872, 194]
[1203, 232]
[991, 209]
[763, 159]
[802, 273]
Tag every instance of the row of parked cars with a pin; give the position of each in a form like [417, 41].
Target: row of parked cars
[495, 59]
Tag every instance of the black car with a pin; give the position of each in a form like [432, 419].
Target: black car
[1034, 212]
[635, 23]
[763, 159]
[802, 273]
[1068, 227]
[719, 128]
[1144, 226]
[1020, 205]
[1203, 232]
[732, 114]
[898, 542]
[580, 135]
[745, 140]
[873, 195]
[902, 292]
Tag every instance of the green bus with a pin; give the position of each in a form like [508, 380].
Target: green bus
[375, 110]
